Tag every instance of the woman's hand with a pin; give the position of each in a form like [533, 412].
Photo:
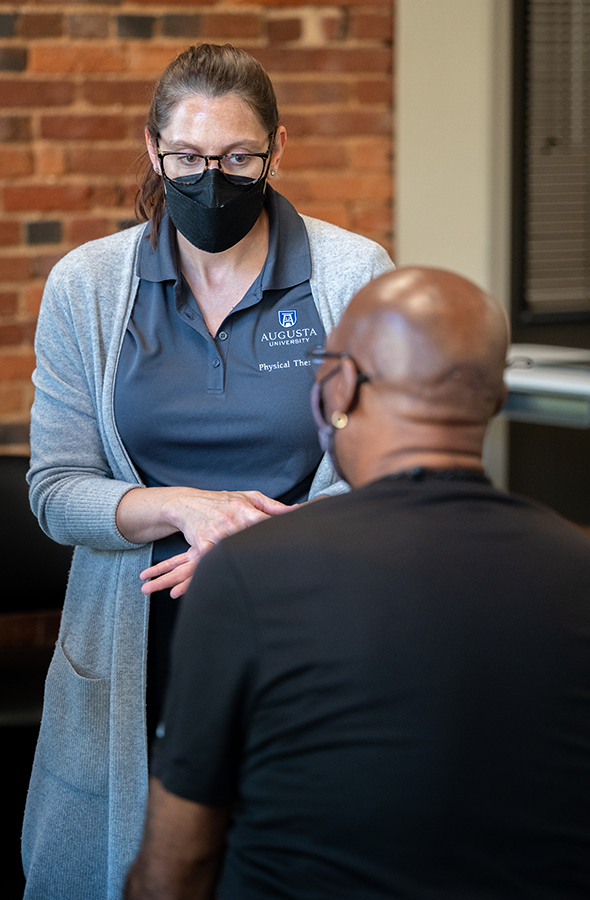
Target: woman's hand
[203, 517]
[175, 573]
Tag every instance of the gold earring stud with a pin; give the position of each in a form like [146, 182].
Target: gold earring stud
[339, 419]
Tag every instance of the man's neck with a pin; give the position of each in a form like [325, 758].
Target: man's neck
[414, 458]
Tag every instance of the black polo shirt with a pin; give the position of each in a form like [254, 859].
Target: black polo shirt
[229, 412]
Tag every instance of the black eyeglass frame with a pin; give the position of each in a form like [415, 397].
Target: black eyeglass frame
[317, 356]
[266, 156]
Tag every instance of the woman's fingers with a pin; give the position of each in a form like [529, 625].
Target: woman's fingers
[173, 578]
[162, 567]
[208, 516]
[205, 517]
[267, 504]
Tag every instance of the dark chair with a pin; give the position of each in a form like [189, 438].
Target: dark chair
[35, 571]
[35, 575]
[35, 567]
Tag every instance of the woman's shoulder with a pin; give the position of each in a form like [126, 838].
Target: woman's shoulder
[337, 253]
[338, 247]
[342, 263]
[106, 255]
[324, 234]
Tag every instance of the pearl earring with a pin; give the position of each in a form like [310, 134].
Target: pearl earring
[339, 419]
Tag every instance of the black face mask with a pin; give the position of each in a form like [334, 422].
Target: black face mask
[214, 214]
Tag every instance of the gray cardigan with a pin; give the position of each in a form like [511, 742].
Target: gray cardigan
[85, 808]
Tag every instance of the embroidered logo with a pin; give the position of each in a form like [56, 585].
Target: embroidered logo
[287, 318]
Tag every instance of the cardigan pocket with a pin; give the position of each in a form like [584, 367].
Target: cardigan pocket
[74, 737]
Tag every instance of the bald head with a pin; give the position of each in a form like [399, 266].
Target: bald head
[433, 337]
[434, 347]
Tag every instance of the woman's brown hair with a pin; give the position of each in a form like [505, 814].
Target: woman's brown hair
[211, 70]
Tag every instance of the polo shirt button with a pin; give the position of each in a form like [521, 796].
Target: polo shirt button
[222, 335]
[216, 362]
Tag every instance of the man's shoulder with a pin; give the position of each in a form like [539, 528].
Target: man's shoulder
[301, 522]
[385, 509]
[291, 537]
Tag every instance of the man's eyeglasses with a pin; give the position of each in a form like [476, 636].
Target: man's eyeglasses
[318, 355]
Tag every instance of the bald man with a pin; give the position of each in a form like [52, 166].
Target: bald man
[385, 694]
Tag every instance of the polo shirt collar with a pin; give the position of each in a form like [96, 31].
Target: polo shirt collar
[161, 263]
[289, 258]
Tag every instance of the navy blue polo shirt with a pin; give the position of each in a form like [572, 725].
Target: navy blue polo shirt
[229, 412]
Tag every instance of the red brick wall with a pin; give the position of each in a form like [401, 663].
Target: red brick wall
[75, 83]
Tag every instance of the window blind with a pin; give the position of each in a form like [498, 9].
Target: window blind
[557, 157]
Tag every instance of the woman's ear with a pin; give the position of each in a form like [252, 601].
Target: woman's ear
[278, 148]
[153, 153]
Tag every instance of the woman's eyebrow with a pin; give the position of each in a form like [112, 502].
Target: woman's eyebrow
[249, 144]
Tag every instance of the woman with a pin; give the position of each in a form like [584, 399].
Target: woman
[171, 409]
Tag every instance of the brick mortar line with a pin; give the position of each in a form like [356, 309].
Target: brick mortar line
[81, 79]
[157, 11]
[79, 112]
[250, 43]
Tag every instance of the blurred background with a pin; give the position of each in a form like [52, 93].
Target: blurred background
[456, 133]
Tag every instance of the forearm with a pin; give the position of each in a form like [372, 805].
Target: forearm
[151, 879]
[147, 514]
[204, 517]
[79, 508]
[182, 849]
[74, 486]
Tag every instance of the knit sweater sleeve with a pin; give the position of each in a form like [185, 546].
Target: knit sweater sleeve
[342, 263]
[76, 478]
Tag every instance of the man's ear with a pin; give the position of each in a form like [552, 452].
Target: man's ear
[501, 400]
[344, 387]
